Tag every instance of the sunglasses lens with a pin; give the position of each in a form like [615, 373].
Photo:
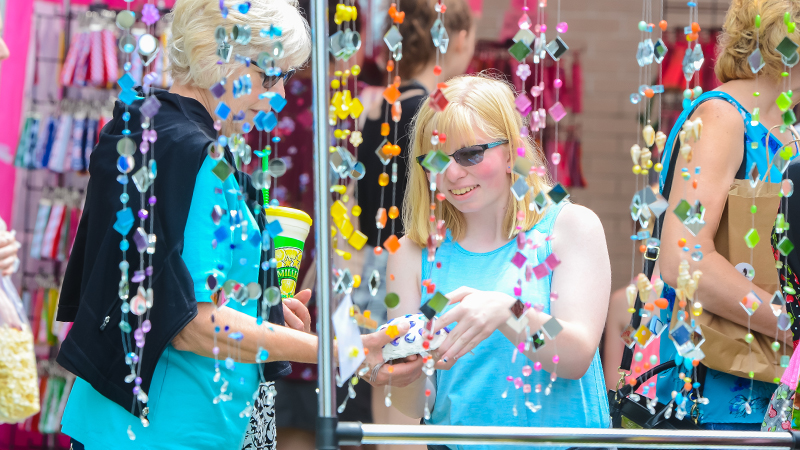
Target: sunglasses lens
[469, 156]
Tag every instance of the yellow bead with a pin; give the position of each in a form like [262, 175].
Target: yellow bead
[355, 70]
[339, 188]
[335, 84]
[637, 169]
[649, 164]
[356, 281]
[347, 72]
[658, 167]
[645, 172]
[356, 210]
[338, 73]
[393, 212]
[337, 134]
[332, 149]
[346, 132]
[383, 179]
[345, 198]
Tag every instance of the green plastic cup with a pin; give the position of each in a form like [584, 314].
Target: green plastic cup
[289, 244]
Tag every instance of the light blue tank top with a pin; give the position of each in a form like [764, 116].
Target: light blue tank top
[471, 392]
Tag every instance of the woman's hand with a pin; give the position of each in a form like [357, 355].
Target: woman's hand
[479, 314]
[295, 312]
[8, 253]
[403, 371]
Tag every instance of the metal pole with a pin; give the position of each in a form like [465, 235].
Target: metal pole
[326, 418]
[354, 433]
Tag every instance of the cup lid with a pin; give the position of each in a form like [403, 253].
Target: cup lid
[291, 213]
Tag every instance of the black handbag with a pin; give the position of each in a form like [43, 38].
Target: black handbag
[627, 409]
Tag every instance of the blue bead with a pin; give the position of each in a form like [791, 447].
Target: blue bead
[634, 237]
[220, 267]
[684, 169]
[216, 329]
[126, 116]
[687, 103]
[274, 202]
[127, 67]
[697, 246]
[686, 249]
[124, 198]
[259, 321]
[691, 4]
[697, 170]
[276, 139]
[124, 245]
[126, 132]
[222, 140]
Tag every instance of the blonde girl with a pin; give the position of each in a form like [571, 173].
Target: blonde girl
[473, 268]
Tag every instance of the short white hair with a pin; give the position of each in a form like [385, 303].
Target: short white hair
[193, 47]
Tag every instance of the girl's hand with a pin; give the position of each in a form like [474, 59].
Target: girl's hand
[8, 253]
[478, 314]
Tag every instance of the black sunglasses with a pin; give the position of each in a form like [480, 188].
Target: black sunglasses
[269, 81]
[468, 156]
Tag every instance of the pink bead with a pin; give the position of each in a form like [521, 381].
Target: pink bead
[527, 304]
[557, 83]
[537, 366]
[537, 28]
[544, 28]
[218, 125]
[517, 291]
[509, 378]
[556, 158]
[525, 8]
[521, 151]
[518, 382]
[555, 359]
[553, 296]
[562, 27]
[526, 388]
[521, 347]
[526, 370]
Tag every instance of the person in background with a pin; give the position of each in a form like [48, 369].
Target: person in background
[9, 261]
[732, 141]
[416, 70]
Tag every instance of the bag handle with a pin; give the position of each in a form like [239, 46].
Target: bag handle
[641, 379]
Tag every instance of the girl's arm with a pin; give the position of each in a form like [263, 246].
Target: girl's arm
[582, 282]
[406, 267]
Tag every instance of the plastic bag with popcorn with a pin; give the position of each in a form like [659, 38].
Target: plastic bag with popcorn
[19, 385]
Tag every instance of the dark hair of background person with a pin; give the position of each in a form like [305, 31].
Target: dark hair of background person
[418, 49]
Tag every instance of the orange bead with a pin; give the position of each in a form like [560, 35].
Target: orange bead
[437, 70]
[385, 129]
[632, 381]
[443, 8]
[393, 150]
[392, 9]
[642, 248]
[442, 138]
[366, 351]
[663, 25]
[694, 184]
[390, 65]
[649, 93]
[646, 366]
[662, 303]
[392, 244]
[637, 369]
[398, 18]
[649, 306]
[426, 345]
[682, 304]
[391, 368]
[383, 179]
[695, 27]
[695, 362]
[391, 276]
[396, 80]
[681, 242]
[687, 387]
[394, 212]
[433, 206]
[427, 392]
[378, 250]
[426, 282]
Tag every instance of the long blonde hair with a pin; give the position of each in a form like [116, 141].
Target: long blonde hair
[475, 102]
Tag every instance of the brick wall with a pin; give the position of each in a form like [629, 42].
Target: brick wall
[606, 35]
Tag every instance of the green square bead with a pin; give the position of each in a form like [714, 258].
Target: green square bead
[683, 210]
[789, 118]
[751, 238]
[436, 161]
[519, 50]
[784, 102]
[222, 170]
[785, 246]
[438, 302]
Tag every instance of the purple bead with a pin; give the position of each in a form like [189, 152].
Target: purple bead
[140, 238]
[136, 390]
[135, 358]
[138, 334]
[146, 326]
[149, 271]
[138, 276]
[153, 136]
[140, 344]
[143, 214]
[144, 147]
[138, 381]
[152, 200]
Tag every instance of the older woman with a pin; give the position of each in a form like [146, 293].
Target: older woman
[732, 141]
[184, 407]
